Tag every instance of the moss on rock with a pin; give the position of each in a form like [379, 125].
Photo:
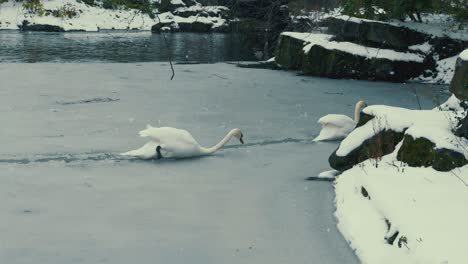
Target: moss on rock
[320, 61]
[289, 52]
[381, 144]
[421, 152]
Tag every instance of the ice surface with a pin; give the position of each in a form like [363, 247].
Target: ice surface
[66, 197]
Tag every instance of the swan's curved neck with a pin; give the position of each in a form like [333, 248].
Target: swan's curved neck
[357, 113]
[216, 147]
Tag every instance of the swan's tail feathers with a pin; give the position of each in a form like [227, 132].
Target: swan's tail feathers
[147, 151]
[320, 137]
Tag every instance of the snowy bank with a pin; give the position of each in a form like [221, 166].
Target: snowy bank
[421, 218]
[405, 203]
[83, 17]
[87, 18]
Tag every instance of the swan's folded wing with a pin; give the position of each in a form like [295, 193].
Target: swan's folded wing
[167, 135]
[336, 120]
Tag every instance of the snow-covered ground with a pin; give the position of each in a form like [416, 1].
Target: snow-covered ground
[378, 198]
[444, 72]
[426, 207]
[67, 198]
[92, 18]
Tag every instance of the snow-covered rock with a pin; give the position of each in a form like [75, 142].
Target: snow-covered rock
[374, 33]
[189, 24]
[390, 126]
[459, 84]
[321, 55]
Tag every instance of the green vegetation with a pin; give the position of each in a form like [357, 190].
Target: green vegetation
[3, 1]
[34, 7]
[400, 9]
[65, 11]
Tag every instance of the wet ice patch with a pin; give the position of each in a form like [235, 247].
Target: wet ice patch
[88, 101]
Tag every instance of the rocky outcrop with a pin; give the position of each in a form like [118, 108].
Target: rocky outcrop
[203, 11]
[325, 61]
[163, 26]
[195, 27]
[169, 5]
[459, 84]
[26, 26]
[446, 47]
[421, 152]
[374, 33]
[289, 53]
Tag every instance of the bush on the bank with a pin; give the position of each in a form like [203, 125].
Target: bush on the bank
[400, 9]
[34, 7]
[144, 6]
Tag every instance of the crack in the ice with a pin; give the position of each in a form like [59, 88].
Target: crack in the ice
[103, 156]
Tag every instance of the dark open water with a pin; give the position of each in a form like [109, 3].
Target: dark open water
[124, 47]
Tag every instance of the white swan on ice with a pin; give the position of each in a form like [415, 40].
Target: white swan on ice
[173, 143]
[337, 127]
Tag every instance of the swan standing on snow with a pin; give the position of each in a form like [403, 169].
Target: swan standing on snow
[173, 143]
[336, 127]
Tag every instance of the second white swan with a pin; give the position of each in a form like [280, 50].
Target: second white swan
[173, 143]
[337, 127]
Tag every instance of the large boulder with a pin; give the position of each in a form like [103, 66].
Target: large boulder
[421, 152]
[196, 26]
[374, 33]
[381, 144]
[459, 84]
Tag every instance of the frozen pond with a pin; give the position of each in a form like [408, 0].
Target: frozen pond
[67, 198]
[124, 46]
